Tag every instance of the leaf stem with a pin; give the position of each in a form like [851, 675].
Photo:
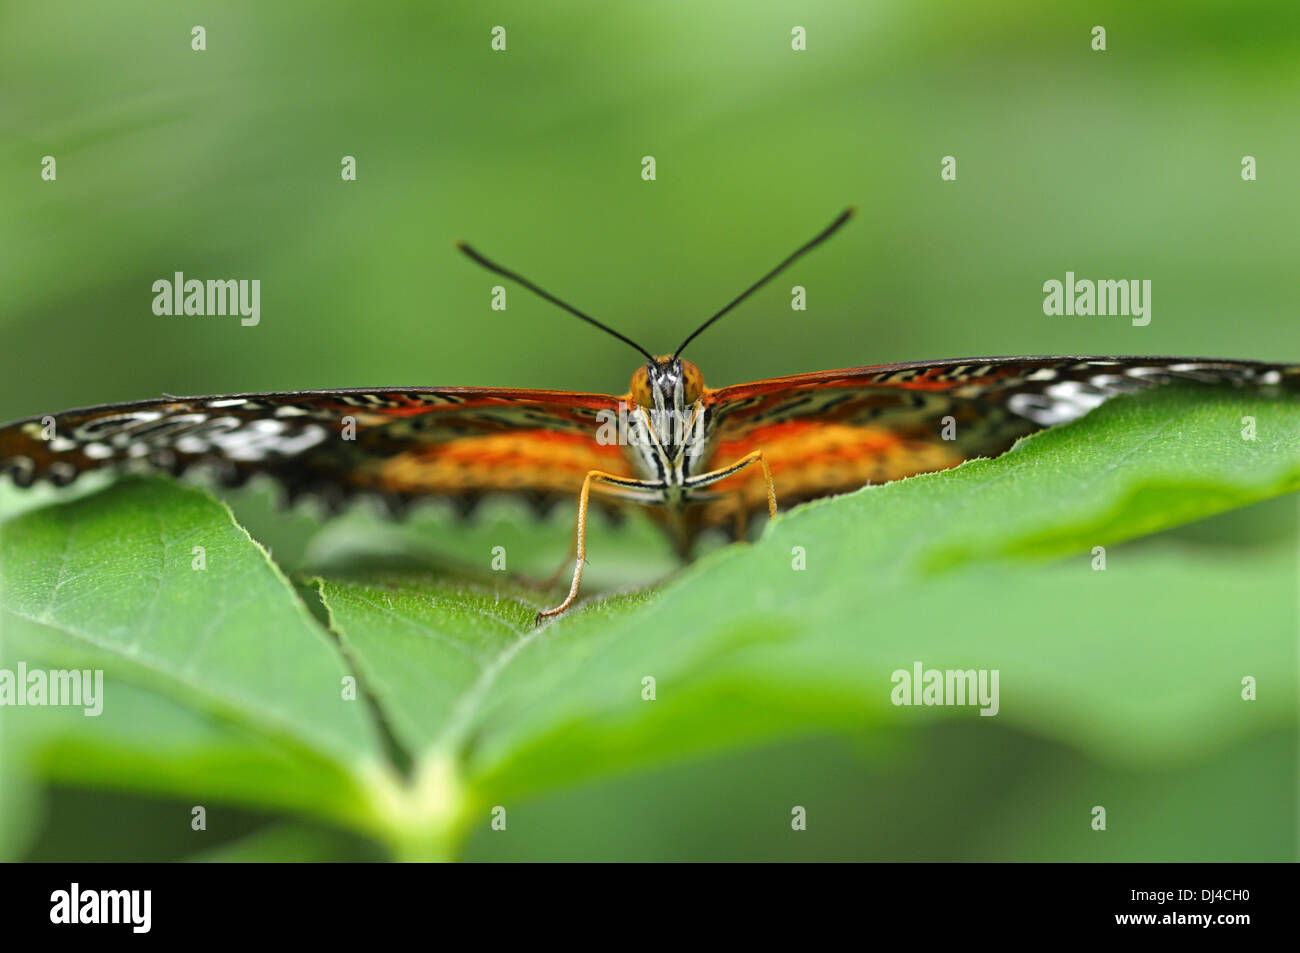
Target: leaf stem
[423, 819]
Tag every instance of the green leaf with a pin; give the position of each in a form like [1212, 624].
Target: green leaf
[217, 680]
[151, 577]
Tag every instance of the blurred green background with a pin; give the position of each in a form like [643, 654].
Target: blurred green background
[225, 164]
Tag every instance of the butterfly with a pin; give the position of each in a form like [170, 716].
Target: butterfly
[699, 458]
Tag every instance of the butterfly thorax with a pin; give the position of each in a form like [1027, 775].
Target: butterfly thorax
[669, 437]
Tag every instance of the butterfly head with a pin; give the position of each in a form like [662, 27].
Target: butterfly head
[668, 390]
[667, 384]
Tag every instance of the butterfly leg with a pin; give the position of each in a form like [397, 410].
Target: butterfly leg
[754, 456]
[641, 490]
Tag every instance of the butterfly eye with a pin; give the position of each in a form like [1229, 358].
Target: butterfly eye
[692, 382]
[641, 395]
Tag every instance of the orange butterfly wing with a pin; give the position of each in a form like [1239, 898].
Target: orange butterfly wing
[455, 442]
[835, 431]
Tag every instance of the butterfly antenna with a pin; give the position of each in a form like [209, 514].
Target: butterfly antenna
[520, 279]
[808, 246]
